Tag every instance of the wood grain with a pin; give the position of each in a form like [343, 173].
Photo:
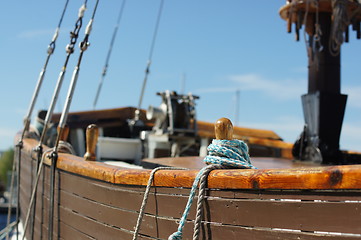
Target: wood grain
[96, 209]
[92, 133]
[326, 177]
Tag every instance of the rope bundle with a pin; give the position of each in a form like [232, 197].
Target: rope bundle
[223, 154]
[229, 153]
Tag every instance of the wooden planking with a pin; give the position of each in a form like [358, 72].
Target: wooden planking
[278, 212]
[236, 233]
[136, 188]
[98, 230]
[68, 232]
[167, 226]
[304, 215]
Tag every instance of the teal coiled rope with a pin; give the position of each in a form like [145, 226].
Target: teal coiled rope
[223, 154]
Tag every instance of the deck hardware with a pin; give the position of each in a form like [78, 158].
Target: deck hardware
[92, 133]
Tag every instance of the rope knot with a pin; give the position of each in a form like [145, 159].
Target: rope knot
[175, 236]
[229, 153]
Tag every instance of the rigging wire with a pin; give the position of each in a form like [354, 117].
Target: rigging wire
[50, 51]
[147, 69]
[69, 49]
[54, 155]
[105, 68]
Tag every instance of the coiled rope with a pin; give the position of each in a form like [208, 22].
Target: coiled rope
[222, 154]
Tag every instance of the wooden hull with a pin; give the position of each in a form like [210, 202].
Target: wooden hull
[95, 200]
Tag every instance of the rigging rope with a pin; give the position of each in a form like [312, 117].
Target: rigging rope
[83, 47]
[146, 195]
[69, 49]
[33, 193]
[105, 68]
[222, 154]
[54, 155]
[147, 69]
[50, 51]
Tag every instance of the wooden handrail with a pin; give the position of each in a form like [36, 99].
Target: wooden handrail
[310, 178]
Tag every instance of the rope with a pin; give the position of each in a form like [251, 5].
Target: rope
[201, 195]
[34, 190]
[229, 153]
[105, 68]
[225, 154]
[69, 50]
[83, 47]
[222, 154]
[11, 194]
[50, 51]
[145, 198]
[65, 147]
[7, 230]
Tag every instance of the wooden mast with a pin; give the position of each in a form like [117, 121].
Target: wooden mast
[324, 105]
[326, 22]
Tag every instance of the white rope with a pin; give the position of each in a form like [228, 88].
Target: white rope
[146, 195]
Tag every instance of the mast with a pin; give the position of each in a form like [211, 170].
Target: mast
[326, 23]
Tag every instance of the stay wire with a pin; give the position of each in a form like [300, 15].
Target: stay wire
[147, 70]
[83, 46]
[50, 51]
[69, 49]
[54, 155]
[106, 65]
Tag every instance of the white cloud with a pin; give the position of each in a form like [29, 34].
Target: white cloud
[35, 33]
[281, 89]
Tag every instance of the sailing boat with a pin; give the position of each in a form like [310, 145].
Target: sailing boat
[77, 197]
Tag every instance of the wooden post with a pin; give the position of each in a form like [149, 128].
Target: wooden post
[223, 129]
[92, 133]
[324, 105]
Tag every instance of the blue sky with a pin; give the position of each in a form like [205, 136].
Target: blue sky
[219, 46]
